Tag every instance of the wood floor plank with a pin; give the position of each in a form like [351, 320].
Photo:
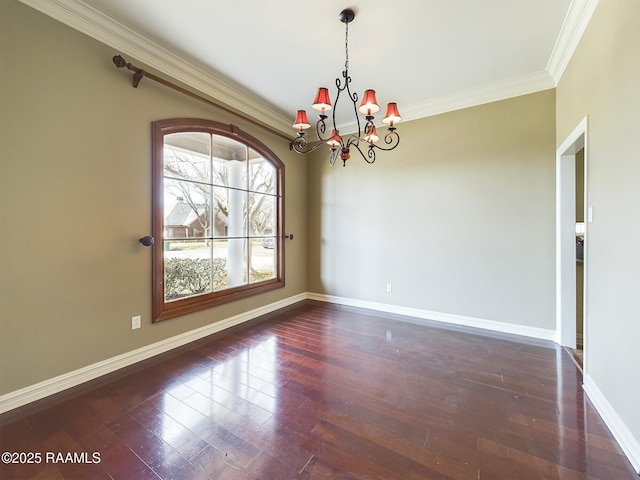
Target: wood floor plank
[319, 391]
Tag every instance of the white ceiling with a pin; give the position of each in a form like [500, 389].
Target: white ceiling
[269, 57]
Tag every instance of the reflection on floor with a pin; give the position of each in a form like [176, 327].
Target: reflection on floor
[577, 355]
[318, 391]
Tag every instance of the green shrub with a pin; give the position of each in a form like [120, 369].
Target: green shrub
[191, 276]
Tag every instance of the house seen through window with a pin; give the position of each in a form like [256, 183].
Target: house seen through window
[218, 210]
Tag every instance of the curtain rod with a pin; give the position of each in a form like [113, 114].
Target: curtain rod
[139, 73]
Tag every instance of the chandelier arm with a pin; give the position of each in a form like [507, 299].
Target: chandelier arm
[354, 98]
[391, 138]
[335, 104]
[370, 157]
[353, 140]
[321, 128]
[299, 144]
[371, 153]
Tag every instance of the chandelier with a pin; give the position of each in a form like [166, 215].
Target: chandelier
[366, 137]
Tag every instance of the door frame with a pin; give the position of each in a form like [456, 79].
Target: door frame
[566, 235]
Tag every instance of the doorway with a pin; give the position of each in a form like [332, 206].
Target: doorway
[573, 215]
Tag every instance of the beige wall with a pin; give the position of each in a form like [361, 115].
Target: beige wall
[603, 83]
[459, 218]
[75, 177]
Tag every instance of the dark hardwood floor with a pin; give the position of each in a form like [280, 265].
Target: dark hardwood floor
[318, 391]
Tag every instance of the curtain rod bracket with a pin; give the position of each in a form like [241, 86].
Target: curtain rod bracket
[137, 76]
[138, 73]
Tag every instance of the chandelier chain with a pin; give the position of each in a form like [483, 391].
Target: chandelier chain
[346, 47]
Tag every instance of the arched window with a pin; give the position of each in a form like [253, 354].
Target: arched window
[217, 216]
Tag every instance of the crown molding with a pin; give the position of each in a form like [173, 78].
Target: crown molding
[574, 26]
[97, 25]
[515, 87]
[86, 19]
[495, 92]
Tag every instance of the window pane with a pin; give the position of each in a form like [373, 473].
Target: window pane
[262, 174]
[187, 156]
[236, 218]
[187, 268]
[219, 269]
[263, 257]
[262, 214]
[229, 163]
[231, 256]
[220, 209]
[186, 209]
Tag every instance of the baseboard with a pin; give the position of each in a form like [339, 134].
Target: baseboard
[628, 443]
[492, 325]
[57, 384]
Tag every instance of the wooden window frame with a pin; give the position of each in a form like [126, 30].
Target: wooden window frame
[161, 309]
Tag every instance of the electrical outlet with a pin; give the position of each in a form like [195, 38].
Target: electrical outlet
[135, 322]
[389, 288]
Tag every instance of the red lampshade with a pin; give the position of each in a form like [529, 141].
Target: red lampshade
[334, 139]
[369, 104]
[371, 134]
[322, 101]
[392, 116]
[301, 122]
